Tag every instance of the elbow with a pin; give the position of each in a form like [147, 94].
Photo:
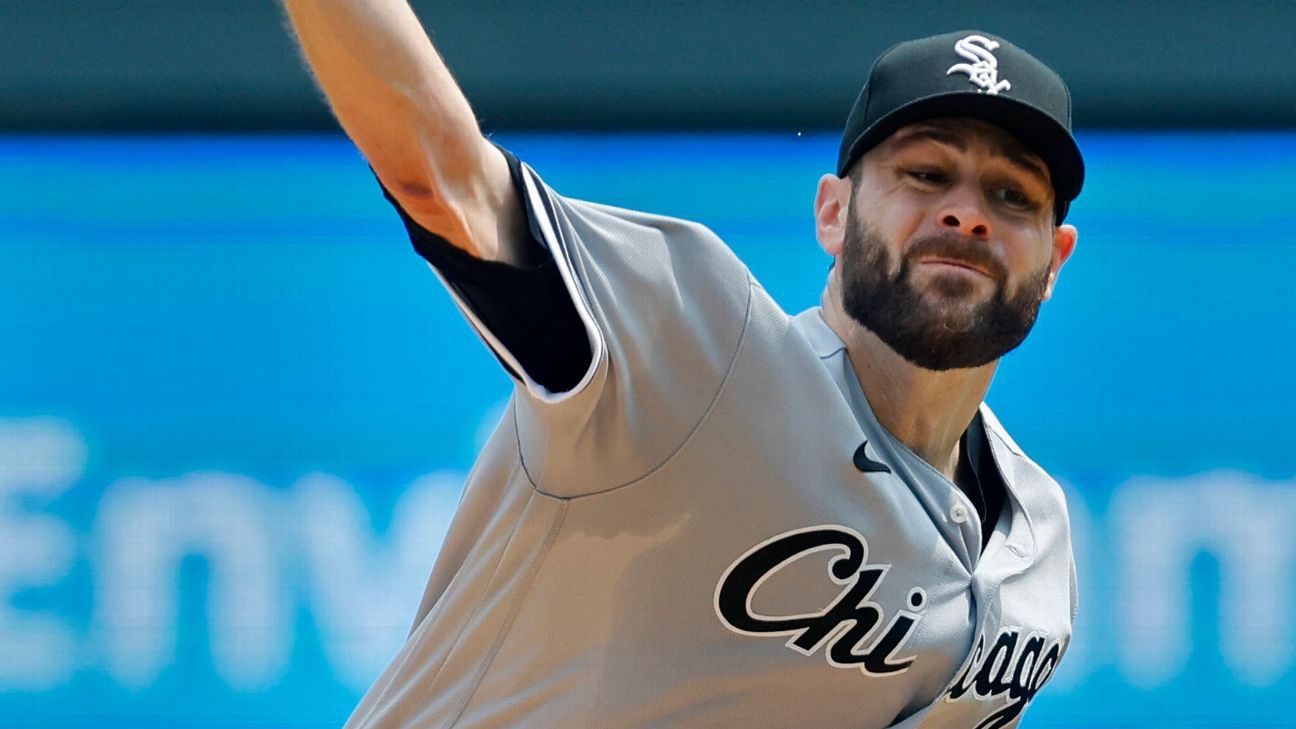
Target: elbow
[415, 193]
[425, 175]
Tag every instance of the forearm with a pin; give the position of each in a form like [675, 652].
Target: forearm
[395, 98]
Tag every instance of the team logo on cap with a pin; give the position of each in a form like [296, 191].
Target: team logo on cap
[984, 69]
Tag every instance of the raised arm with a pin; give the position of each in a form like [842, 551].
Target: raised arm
[397, 102]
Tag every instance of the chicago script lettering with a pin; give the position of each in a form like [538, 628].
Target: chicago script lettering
[848, 626]
[1005, 670]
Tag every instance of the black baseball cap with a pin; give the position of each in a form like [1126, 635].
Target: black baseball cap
[972, 74]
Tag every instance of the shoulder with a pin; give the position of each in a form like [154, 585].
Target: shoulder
[629, 263]
[591, 222]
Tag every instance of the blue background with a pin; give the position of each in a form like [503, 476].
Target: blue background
[236, 411]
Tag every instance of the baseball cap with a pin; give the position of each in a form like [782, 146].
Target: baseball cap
[969, 74]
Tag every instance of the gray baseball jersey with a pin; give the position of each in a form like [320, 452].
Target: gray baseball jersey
[688, 538]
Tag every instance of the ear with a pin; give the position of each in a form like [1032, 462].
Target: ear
[1064, 243]
[832, 202]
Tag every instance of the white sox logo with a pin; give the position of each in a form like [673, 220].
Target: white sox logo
[984, 69]
[1005, 669]
[849, 626]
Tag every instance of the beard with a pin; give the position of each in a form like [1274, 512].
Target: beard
[948, 325]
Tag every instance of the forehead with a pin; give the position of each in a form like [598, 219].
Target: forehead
[965, 134]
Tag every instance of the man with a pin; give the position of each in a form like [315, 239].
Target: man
[699, 511]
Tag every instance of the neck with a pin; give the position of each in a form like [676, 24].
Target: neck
[925, 409]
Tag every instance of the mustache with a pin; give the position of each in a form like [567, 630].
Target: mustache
[958, 248]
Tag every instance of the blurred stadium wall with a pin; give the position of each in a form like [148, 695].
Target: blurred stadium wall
[236, 411]
[228, 64]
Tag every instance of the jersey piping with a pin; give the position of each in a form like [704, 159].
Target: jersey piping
[552, 240]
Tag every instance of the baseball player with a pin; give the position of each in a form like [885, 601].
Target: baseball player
[698, 510]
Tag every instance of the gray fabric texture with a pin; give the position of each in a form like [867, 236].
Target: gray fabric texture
[609, 563]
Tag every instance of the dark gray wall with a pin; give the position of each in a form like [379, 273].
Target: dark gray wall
[229, 64]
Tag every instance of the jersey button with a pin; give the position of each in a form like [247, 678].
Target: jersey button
[958, 513]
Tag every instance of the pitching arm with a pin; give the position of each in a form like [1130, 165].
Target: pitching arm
[397, 101]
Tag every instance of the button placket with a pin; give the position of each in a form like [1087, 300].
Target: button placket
[959, 513]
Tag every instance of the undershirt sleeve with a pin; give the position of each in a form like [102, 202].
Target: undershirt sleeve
[527, 307]
[618, 358]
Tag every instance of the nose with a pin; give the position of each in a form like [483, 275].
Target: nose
[964, 212]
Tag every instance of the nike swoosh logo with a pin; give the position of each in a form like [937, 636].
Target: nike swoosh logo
[866, 464]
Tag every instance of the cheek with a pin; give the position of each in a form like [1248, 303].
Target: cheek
[896, 221]
[1036, 271]
[1035, 250]
[1046, 254]
[1029, 261]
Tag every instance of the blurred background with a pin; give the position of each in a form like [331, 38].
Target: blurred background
[237, 411]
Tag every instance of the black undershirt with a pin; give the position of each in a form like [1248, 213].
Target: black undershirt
[529, 310]
[526, 307]
[978, 478]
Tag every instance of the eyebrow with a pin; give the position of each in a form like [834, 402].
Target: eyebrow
[1018, 157]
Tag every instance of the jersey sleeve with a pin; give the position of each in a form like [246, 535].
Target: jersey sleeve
[663, 303]
[525, 306]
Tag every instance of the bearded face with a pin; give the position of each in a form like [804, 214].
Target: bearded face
[939, 320]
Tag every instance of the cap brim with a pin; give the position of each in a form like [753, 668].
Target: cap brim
[1041, 133]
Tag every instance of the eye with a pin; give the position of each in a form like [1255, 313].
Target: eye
[929, 177]
[1016, 199]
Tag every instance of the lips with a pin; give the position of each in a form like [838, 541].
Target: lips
[957, 252]
[956, 262]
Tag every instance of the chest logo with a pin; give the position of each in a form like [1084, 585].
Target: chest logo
[983, 71]
[852, 629]
[1015, 666]
[866, 464]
